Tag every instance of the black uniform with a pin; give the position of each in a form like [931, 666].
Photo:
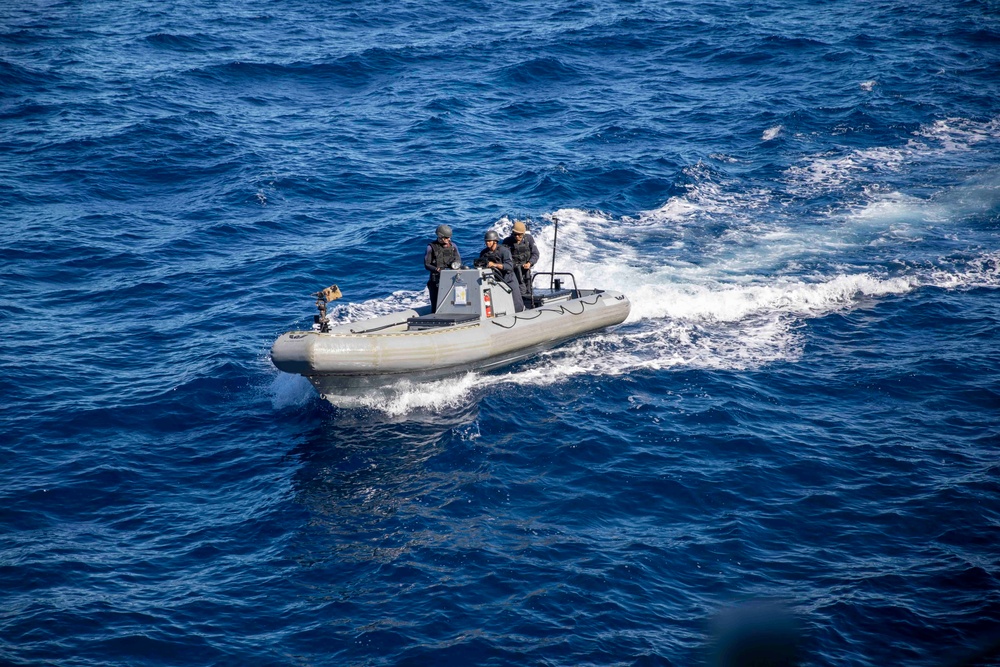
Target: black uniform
[525, 251]
[437, 257]
[502, 256]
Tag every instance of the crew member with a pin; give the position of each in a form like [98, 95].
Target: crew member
[440, 254]
[497, 257]
[524, 252]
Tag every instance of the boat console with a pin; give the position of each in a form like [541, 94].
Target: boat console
[466, 296]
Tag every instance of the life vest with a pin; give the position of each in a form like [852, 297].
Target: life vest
[494, 256]
[521, 252]
[485, 256]
[441, 256]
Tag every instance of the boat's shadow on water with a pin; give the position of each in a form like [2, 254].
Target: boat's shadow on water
[372, 483]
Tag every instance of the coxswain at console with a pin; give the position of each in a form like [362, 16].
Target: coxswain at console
[497, 257]
[440, 254]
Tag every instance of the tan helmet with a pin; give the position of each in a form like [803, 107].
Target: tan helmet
[519, 227]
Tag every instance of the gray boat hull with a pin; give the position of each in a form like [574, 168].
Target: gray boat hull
[382, 351]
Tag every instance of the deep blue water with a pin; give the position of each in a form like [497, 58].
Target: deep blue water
[800, 418]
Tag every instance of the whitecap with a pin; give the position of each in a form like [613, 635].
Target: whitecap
[771, 133]
[835, 170]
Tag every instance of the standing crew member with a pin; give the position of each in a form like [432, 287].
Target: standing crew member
[497, 257]
[524, 252]
[440, 254]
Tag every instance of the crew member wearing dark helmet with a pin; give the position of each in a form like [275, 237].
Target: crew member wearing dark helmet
[497, 257]
[440, 254]
[524, 252]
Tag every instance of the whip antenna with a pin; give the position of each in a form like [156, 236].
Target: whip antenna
[555, 236]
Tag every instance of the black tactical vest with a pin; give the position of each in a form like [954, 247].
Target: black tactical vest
[442, 257]
[494, 256]
[521, 252]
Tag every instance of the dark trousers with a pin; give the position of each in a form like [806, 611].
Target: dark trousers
[515, 292]
[524, 277]
[432, 287]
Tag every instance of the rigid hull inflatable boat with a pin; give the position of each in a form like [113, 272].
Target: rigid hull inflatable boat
[474, 328]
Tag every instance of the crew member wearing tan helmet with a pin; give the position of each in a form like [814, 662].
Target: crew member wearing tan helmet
[524, 253]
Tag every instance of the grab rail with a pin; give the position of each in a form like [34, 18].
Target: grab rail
[555, 282]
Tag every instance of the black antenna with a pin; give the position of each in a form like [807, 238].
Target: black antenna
[555, 236]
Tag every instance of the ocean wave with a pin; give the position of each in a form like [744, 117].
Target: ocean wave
[25, 79]
[186, 43]
[350, 71]
[616, 134]
[545, 70]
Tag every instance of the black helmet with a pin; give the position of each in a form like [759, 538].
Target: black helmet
[443, 232]
[491, 236]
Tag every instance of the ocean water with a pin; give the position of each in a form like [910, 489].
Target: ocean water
[795, 433]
